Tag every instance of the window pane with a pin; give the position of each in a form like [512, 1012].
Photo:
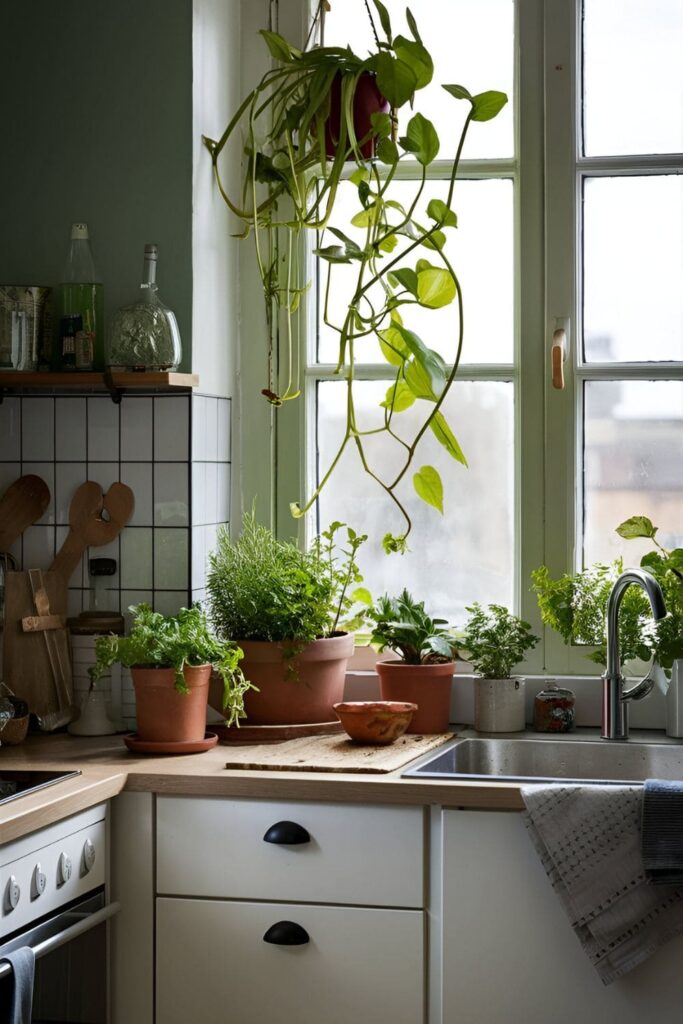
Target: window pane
[471, 43]
[633, 268]
[633, 458]
[463, 556]
[633, 76]
[481, 251]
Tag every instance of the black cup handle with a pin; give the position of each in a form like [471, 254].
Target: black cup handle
[286, 933]
[287, 833]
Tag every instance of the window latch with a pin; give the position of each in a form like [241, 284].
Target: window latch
[558, 351]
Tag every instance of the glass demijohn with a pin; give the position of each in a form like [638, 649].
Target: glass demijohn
[145, 335]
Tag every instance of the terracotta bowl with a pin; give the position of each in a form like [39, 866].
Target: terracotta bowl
[379, 722]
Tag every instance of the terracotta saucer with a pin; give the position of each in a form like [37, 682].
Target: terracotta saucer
[138, 746]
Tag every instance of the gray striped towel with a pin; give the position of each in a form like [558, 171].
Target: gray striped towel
[589, 841]
[663, 832]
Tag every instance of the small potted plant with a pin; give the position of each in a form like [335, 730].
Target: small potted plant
[170, 659]
[423, 673]
[495, 641]
[287, 609]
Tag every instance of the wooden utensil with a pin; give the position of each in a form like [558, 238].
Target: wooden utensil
[57, 653]
[24, 501]
[95, 519]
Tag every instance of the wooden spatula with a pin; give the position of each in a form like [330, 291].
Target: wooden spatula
[23, 502]
[94, 519]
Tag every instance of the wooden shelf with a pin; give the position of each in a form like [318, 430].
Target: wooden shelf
[114, 384]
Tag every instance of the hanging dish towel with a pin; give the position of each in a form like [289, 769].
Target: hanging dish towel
[589, 841]
[23, 963]
[663, 832]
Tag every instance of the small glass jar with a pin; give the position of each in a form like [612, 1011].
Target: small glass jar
[554, 709]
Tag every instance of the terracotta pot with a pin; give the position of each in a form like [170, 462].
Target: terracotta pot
[367, 100]
[499, 705]
[295, 690]
[379, 722]
[163, 714]
[428, 686]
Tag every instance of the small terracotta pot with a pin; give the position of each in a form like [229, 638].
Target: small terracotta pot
[292, 690]
[379, 722]
[367, 100]
[499, 705]
[428, 686]
[163, 714]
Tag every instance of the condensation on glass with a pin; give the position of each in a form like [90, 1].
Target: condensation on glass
[468, 553]
[633, 454]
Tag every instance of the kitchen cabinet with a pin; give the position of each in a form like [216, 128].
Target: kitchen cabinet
[289, 911]
[507, 949]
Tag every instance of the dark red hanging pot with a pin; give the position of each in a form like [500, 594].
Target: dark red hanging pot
[367, 100]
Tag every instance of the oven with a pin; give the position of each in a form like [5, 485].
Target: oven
[53, 899]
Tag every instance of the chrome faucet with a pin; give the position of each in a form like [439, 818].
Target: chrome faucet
[615, 699]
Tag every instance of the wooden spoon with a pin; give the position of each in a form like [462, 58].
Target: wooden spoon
[25, 501]
[95, 519]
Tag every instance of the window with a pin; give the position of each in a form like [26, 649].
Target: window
[570, 207]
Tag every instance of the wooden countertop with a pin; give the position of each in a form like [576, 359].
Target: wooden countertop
[108, 768]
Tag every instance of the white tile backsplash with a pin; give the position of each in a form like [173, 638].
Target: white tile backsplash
[223, 432]
[136, 429]
[211, 451]
[198, 557]
[103, 430]
[68, 477]
[171, 497]
[199, 406]
[170, 559]
[79, 577]
[10, 429]
[9, 472]
[103, 473]
[137, 557]
[211, 493]
[139, 477]
[171, 429]
[198, 493]
[70, 429]
[169, 602]
[39, 547]
[37, 429]
[223, 492]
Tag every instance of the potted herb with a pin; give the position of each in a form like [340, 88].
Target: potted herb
[286, 608]
[170, 660]
[304, 134]
[495, 641]
[423, 673]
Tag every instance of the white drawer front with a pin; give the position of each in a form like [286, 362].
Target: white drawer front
[213, 964]
[370, 856]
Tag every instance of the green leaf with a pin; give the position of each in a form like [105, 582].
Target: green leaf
[394, 545]
[675, 559]
[388, 244]
[363, 595]
[419, 381]
[364, 218]
[428, 486]
[421, 140]
[417, 58]
[333, 254]
[412, 25]
[405, 278]
[279, 47]
[381, 124]
[399, 397]
[387, 152]
[396, 80]
[459, 91]
[385, 21]
[436, 240]
[393, 346]
[295, 509]
[487, 105]
[637, 526]
[445, 436]
[360, 174]
[441, 213]
[435, 288]
[430, 361]
[348, 242]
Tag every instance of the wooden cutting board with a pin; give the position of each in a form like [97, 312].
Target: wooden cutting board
[334, 754]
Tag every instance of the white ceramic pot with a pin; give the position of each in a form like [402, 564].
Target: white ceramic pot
[499, 705]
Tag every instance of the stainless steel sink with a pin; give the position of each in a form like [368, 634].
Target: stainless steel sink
[549, 760]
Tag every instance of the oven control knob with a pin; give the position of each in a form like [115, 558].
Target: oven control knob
[12, 893]
[64, 868]
[39, 882]
[88, 856]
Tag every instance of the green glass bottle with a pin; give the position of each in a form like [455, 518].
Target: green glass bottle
[82, 294]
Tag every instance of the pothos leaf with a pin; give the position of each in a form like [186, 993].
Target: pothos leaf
[487, 105]
[421, 140]
[416, 57]
[393, 347]
[399, 397]
[427, 484]
[396, 80]
[440, 212]
[445, 436]
[385, 21]
[435, 287]
[637, 526]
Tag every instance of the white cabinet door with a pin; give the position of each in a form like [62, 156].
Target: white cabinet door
[215, 847]
[508, 950]
[213, 965]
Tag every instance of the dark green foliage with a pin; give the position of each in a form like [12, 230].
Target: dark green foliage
[402, 625]
[495, 641]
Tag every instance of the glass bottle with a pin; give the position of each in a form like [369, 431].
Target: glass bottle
[554, 709]
[145, 335]
[82, 294]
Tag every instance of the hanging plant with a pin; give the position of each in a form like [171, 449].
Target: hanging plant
[319, 116]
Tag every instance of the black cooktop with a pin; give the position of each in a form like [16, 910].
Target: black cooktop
[18, 783]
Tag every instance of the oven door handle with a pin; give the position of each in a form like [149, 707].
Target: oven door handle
[61, 938]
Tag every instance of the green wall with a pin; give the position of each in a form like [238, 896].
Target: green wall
[96, 124]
